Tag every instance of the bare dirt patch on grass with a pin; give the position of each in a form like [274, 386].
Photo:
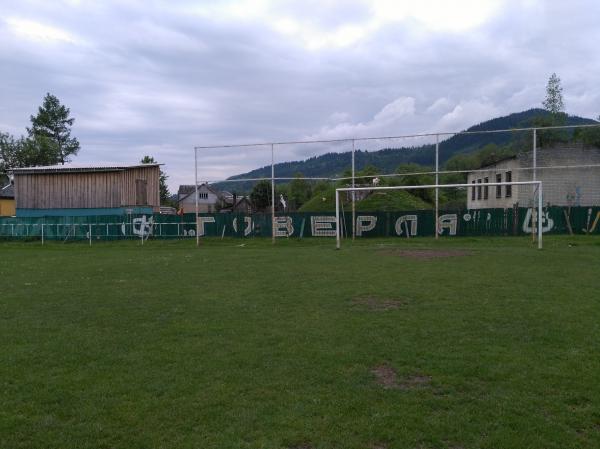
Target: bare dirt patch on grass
[426, 254]
[378, 304]
[386, 376]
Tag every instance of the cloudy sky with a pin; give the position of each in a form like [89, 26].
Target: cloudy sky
[158, 77]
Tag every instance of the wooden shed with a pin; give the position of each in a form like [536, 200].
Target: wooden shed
[72, 190]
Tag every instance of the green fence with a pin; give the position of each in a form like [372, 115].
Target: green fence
[517, 221]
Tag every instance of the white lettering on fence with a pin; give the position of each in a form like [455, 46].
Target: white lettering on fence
[365, 223]
[248, 223]
[202, 221]
[283, 226]
[547, 222]
[402, 224]
[141, 226]
[321, 226]
[447, 221]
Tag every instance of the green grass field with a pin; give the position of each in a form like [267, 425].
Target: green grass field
[378, 345]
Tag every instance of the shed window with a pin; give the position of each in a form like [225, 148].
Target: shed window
[499, 188]
[473, 191]
[479, 189]
[508, 188]
[203, 195]
[485, 188]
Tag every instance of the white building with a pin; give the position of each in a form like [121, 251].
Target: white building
[570, 175]
[209, 199]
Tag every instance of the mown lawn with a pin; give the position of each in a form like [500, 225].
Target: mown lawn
[378, 345]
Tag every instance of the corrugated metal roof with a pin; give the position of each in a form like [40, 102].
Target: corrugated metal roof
[78, 168]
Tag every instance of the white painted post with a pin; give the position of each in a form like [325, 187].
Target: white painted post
[196, 190]
[534, 154]
[272, 194]
[437, 181]
[353, 194]
[337, 219]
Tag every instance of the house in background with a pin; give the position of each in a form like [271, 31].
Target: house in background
[7, 201]
[211, 200]
[72, 190]
[578, 185]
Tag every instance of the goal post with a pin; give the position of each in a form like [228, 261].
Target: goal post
[537, 184]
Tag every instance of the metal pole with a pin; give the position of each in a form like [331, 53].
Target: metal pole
[540, 216]
[534, 154]
[272, 194]
[353, 194]
[196, 190]
[437, 181]
[337, 219]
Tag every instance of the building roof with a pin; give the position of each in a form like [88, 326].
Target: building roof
[188, 189]
[7, 191]
[75, 168]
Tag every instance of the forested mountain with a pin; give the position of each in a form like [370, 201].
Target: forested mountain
[387, 159]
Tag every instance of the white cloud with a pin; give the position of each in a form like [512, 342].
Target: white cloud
[40, 32]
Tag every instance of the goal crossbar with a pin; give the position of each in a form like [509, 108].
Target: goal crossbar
[436, 186]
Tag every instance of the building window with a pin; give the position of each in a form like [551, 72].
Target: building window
[485, 188]
[479, 189]
[203, 195]
[473, 191]
[508, 188]
[499, 188]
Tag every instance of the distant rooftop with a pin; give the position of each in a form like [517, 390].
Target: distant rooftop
[74, 168]
[7, 191]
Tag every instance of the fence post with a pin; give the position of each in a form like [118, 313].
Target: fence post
[90, 232]
[353, 193]
[437, 181]
[272, 194]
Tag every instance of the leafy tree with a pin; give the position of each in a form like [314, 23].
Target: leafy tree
[261, 195]
[52, 127]
[427, 195]
[554, 105]
[554, 99]
[165, 195]
[300, 191]
[23, 152]
[588, 136]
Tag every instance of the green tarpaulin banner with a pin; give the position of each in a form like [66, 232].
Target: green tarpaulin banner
[498, 222]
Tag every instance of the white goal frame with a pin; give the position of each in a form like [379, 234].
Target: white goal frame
[436, 186]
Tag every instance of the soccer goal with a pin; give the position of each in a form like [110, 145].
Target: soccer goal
[536, 215]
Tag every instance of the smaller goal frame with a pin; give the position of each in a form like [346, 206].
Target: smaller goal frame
[435, 186]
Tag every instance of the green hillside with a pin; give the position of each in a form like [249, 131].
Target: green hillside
[378, 201]
[387, 159]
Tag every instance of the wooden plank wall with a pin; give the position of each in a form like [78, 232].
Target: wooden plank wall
[85, 190]
[150, 175]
